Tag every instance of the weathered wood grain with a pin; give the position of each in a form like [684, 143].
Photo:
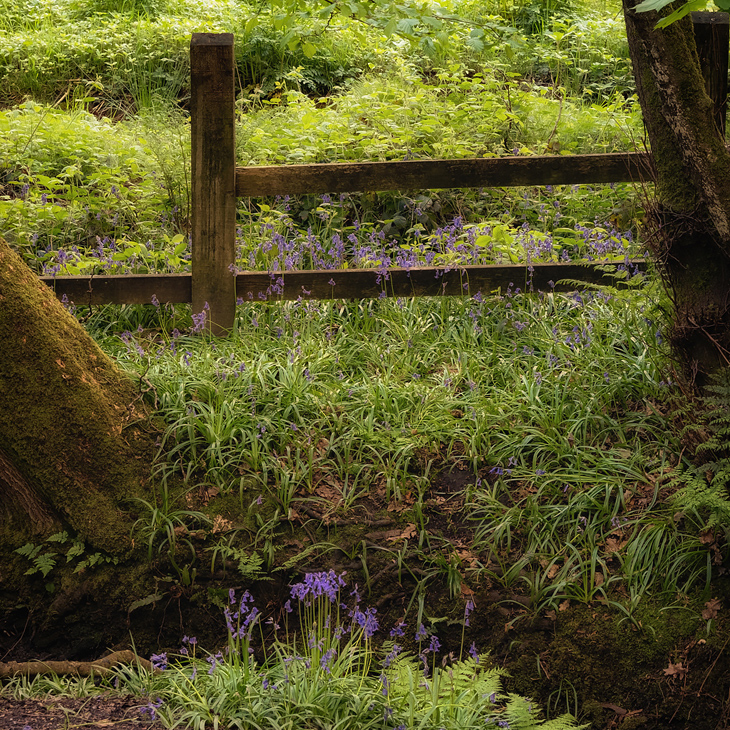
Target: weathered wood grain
[415, 282]
[122, 289]
[348, 283]
[347, 177]
[212, 113]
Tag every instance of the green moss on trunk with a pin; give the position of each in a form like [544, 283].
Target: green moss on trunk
[689, 231]
[69, 420]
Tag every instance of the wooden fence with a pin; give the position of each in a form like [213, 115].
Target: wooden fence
[217, 182]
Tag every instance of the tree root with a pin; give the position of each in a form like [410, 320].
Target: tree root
[101, 667]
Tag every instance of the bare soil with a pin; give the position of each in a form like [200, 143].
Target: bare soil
[122, 712]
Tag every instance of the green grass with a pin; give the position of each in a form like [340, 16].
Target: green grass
[554, 402]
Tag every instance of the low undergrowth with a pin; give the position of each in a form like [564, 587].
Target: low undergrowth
[551, 406]
[319, 669]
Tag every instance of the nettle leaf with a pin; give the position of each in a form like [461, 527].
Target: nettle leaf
[680, 12]
[646, 6]
[475, 43]
[407, 25]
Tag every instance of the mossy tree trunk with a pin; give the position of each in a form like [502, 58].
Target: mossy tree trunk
[689, 228]
[73, 445]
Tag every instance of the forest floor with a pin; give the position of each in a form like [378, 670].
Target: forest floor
[122, 712]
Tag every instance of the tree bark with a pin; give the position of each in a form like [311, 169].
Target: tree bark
[73, 444]
[689, 227]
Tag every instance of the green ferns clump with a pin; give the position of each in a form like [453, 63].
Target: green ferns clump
[44, 562]
[705, 485]
[462, 696]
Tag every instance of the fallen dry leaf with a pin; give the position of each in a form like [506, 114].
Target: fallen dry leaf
[409, 532]
[614, 545]
[676, 670]
[467, 557]
[221, 524]
[711, 609]
[564, 606]
[706, 538]
[552, 571]
[399, 506]
[599, 579]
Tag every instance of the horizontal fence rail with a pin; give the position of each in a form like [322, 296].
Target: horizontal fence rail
[217, 182]
[488, 172]
[254, 286]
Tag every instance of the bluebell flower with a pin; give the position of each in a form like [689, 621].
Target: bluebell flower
[392, 654]
[319, 584]
[326, 659]
[367, 621]
[435, 644]
[149, 709]
[159, 661]
[398, 629]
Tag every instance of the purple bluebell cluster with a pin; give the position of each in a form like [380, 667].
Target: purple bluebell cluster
[159, 661]
[315, 585]
[245, 616]
[199, 320]
[467, 611]
[149, 709]
[366, 620]
[214, 660]
[188, 643]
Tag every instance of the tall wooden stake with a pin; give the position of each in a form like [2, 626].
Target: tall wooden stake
[712, 39]
[212, 110]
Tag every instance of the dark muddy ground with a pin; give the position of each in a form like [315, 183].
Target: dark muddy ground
[90, 713]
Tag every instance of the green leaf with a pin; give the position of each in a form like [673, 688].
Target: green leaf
[29, 550]
[75, 550]
[43, 563]
[646, 6]
[680, 12]
[309, 49]
[152, 598]
[58, 537]
[407, 26]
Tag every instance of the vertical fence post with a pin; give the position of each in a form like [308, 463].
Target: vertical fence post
[711, 37]
[212, 111]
